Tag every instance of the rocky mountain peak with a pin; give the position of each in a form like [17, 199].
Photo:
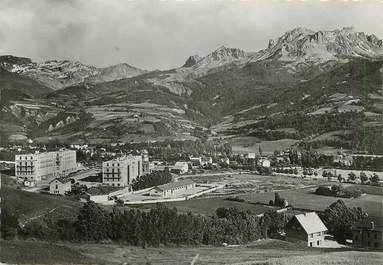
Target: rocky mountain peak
[192, 60]
[320, 46]
[223, 52]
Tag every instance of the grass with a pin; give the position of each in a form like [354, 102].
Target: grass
[374, 190]
[343, 258]
[252, 144]
[30, 252]
[29, 204]
[304, 198]
[267, 251]
[208, 206]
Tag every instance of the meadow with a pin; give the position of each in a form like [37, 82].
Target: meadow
[265, 252]
[306, 199]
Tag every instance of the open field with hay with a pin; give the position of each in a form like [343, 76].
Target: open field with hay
[261, 252]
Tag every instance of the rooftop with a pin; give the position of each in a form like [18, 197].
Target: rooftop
[365, 223]
[311, 222]
[173, 185]
[63, 180]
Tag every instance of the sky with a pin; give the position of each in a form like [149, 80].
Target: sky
[155, 34]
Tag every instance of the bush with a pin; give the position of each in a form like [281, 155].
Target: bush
[278, 200]
[235, 199]
[154, 179]
[9, 224]
[339, 219]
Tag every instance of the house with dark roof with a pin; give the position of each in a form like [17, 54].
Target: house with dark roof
[172, 188]
[306, 228]
[59, 186]
[368, 233]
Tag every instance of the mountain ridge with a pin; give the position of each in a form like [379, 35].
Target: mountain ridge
[58, 74]
[302, 75]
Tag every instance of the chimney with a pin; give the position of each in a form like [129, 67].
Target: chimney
[372, 226]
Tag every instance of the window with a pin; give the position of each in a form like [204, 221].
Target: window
[376, 236]
[368, 234]
[311, 244]
[356, 238]
[57, 186]
[311, 235]
[318, 243]
[376, 245]
[368, 243]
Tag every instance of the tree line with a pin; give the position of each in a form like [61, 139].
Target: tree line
[159, 226]
[150, 180]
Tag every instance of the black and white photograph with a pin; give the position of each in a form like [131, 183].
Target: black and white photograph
[191, 132]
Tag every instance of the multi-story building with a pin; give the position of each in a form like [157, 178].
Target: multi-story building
[368, 233]
[145, 164]
[121, 171]
[45, 166]
[306, 228]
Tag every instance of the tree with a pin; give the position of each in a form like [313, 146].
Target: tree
[9, 224]
[363, 177]
[338, 218]
[272, 222]
[92, 222]
[150, 180]
[374, 179]
[351, 176]
[278, 200]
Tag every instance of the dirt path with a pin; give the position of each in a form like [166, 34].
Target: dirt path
[36, 217]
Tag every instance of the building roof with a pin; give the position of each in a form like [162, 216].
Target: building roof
[180, 164]
[63, 180]
[311, 222]
[365, 224]
[173, 185]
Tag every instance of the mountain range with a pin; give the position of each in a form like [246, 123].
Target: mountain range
[328, 80]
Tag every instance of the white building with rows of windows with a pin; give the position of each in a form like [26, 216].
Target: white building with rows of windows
[45, 166]
[121, 171]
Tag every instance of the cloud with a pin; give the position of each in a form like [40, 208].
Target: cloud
[162, 34]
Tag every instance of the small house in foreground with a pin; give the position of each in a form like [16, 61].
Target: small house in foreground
[59, 186]
[306, 228]
[172, 188]
[368, 233]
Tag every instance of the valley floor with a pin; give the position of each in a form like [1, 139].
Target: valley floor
[261, 252]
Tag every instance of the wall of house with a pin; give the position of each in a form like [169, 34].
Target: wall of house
[367, 239]
[315, 239]
[295, 233]
[58, 188]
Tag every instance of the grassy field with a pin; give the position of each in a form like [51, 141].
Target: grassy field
[374, 190]
[28, 204]
[261, 252]
[299, 198]
[252, 144]
[30, 252]
[208, 206]
[304, 198]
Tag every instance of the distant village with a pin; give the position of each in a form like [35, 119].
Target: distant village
[116, 176]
